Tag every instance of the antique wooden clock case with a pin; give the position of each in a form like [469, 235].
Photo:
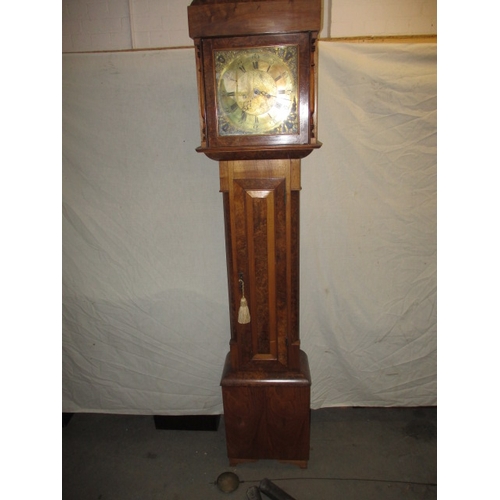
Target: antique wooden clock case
[257, 80]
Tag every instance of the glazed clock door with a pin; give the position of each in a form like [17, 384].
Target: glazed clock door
[256, 91]
[261, 230]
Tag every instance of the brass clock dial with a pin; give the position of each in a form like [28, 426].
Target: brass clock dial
[257, 91]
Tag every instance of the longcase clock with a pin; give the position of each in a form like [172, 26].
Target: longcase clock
[257, 80]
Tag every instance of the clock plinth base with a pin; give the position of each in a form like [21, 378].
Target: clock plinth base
[267, 414]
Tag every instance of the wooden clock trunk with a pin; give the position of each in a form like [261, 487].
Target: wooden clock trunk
[266, 380]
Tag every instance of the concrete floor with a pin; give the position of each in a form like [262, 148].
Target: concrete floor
[356, 453]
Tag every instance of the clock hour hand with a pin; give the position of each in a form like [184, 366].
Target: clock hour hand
[260, 92]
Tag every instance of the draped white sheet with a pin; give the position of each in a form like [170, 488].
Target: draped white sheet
[145, 315]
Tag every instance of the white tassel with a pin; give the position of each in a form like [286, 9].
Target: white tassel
[244, 312]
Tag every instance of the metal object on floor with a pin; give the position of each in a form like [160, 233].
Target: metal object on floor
[272, 491]
[228, 482]
[253, 493]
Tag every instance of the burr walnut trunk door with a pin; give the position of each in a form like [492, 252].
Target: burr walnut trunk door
[261, 201]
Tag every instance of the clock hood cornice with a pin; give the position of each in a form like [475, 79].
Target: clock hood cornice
[215, 18]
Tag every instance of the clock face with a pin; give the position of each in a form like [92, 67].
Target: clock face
[257, 91]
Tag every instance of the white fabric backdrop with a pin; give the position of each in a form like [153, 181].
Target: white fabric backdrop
[145, 315]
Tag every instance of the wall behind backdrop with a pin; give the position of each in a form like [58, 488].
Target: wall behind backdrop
[145, 314]
[91, 25]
